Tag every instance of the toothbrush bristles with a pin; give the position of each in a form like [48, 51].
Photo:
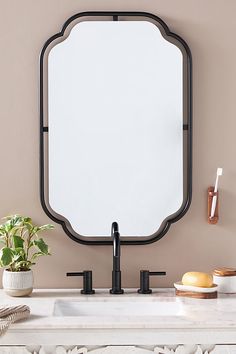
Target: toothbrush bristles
[219, 171]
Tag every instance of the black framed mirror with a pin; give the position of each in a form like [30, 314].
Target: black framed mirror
[115, 127]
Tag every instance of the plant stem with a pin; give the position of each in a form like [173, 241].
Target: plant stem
[28, 245]
[7, 239]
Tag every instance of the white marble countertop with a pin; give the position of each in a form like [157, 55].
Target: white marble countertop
[193, 314]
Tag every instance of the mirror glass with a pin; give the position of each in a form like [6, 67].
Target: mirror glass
[115, 128]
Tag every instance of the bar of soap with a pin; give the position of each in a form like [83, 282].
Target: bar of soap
[199, 279]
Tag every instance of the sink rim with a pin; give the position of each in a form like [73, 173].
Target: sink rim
[101, 307]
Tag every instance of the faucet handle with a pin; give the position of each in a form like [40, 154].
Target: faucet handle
[144, 281]
[87, 281]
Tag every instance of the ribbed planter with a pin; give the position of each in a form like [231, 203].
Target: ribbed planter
[17, 283]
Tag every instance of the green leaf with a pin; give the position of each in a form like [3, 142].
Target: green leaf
[19, 254]
[6, 256]
[26, 219]
[46, 227]
[2, 230]
[36, 255]
[2, 240]
[43, 247]
[23, 265]
[18, 241]
[29, 226]
[35, 230]
[13, 220]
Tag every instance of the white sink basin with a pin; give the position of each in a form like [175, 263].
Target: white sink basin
[129, 307]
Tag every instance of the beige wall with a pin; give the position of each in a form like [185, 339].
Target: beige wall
[209, 27]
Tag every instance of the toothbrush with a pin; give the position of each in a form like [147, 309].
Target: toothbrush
[214, 199]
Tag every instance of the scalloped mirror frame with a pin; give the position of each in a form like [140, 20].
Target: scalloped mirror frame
[187, 126]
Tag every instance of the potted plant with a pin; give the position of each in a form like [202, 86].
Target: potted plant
[21, 246]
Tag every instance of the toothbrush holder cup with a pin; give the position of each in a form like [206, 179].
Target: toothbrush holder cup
[210, 194]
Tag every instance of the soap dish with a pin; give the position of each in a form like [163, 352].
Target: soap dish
[196, 291]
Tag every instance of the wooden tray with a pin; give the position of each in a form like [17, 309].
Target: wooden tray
[196, 295]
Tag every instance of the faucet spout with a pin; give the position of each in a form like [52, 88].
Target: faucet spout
[116, 273]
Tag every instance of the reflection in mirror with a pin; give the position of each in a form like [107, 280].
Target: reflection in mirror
[116, 147]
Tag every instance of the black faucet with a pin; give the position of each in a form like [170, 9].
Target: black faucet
[116, 273]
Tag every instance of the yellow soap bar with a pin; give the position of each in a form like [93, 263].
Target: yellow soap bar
[200, 279]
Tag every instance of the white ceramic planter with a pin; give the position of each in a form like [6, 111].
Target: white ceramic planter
[17, 283]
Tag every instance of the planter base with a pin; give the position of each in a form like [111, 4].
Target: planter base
[18, 283]
[18, 292]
